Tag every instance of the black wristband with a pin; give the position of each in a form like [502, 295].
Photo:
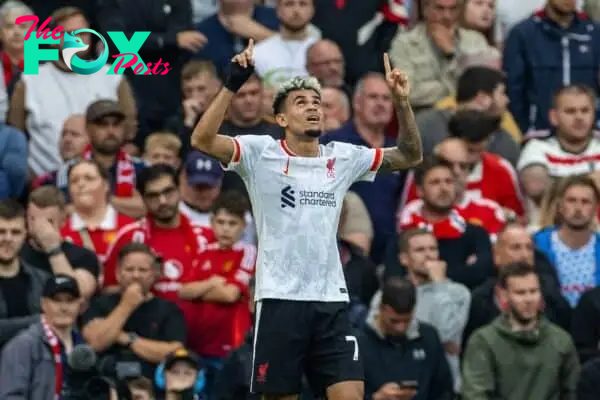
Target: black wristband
[237, 76]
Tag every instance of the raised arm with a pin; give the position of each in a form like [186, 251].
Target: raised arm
[408, 152]
[205, 136]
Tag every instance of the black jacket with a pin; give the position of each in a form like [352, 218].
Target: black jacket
[585, 325]
[474, 241]
[588, 388]
[420, 357]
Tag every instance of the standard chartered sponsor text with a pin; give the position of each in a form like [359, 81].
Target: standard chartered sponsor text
[316, 198]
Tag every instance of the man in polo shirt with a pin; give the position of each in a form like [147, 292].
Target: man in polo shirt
[373, 110]
[105, 124]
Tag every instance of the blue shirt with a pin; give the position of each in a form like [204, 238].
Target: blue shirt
[380, 197]
[223, 45]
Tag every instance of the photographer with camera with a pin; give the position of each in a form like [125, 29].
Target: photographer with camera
[135, 328]
[34, 364]
[180, 376]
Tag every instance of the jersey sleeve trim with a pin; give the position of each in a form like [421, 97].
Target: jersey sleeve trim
[236, 156]
[377, 160]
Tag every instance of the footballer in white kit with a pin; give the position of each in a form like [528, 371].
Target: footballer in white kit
[296, 188]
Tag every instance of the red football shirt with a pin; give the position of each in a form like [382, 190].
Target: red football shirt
[483, 212]
[101, 237]
[493, 178]
[218, 328]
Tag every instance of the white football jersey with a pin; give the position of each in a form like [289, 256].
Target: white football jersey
[296, 203]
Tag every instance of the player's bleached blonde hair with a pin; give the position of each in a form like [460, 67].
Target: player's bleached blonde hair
[289, 86]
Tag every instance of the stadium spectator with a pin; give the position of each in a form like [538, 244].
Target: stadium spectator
[325, 61]
[373, 110]
[480, 15]
[403, 357]
[141, 388]
[168, 232]
[13, 49]
[428, 52]
[106, 129]
[514, 245]
[490, 177]
[21, 284]
[441, 303]
[587, 388]
[531, 83]
[336, 108]
[13, 171]
[478, 88]
[133, 325]
[199, 85]
[220, 284]
[283, 56]
[511, 12]
[229, 29]
[180, 375]
[572, 246]
[200, 184]
[464, 247]
[163, 148]
[34, 364]
[41, 102]
[47, 250]
[73, 138]
[548, 367]
[93, 222]
[570, 148]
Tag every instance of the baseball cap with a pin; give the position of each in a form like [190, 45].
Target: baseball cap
[60, 284]
[201, 169]
[103, 108]
[183, 355]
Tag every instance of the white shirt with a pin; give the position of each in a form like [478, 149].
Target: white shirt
[297, 203]
[277, 60]
[560, 163]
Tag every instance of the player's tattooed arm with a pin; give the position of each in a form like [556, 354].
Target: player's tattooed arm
[408, 152]
[205, 136]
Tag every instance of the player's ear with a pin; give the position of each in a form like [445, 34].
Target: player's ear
[281, 120]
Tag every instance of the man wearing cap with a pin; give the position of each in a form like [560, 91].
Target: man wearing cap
[33, 364]
[105, 124]
[181, 369]
[200, 185]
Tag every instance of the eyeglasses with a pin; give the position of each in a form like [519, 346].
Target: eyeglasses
[465, 166]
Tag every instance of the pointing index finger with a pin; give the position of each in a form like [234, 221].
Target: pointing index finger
[386, 63]
[251, 45]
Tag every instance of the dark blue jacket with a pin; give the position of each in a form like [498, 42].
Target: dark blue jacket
[419, 357]
[540, 57]
[13, 162]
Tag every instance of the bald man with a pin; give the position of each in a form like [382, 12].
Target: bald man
[514, 244]
[324, 60]
[73, 137]
[336, 108]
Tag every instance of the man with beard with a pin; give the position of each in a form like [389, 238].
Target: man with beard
[464, 247]
[132, 325]
[166, 230]
[21, 284]
[283, 56]
[105, 124]
[490, 176]
[478, 88]
[520, 355]
[569, 43]
[573, 246]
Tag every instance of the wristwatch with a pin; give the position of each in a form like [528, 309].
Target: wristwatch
[131, 337]
[55, 251]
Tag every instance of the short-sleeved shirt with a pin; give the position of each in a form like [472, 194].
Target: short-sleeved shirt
[79, 258]
[156, 319]
[296, 204]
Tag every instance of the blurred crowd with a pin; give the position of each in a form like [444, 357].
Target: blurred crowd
[475, 275]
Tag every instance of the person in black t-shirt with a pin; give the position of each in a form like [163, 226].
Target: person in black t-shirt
[20, 284]
[133, 325]
[45, 248]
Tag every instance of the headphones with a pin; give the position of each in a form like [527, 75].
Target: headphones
[159, 379]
